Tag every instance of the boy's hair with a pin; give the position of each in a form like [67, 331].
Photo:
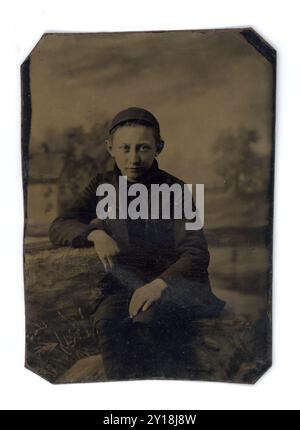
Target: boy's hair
[134, 122]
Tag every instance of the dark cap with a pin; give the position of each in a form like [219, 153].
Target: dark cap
[134, 114]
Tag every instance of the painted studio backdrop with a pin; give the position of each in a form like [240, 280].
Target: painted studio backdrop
[213, 95]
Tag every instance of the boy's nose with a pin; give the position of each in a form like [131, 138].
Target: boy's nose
[133, 157]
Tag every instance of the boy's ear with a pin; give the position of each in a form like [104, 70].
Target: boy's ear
[108, 144]
[159, 147]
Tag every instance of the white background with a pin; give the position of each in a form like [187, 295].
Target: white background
[22, 24]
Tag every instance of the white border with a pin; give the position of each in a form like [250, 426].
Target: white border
[22, 24]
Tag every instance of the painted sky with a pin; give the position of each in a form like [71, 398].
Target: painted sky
[196, 83]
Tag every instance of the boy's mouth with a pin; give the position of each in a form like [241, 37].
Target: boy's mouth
[134, 169]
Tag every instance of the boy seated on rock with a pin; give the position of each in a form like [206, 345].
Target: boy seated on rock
[156, 279]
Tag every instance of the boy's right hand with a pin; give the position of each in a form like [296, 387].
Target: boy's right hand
[105, 246]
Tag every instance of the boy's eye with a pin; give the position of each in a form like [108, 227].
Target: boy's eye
[124, 148]
[145, 148]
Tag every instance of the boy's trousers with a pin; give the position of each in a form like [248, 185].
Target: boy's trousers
[154, 343]
[151, 344]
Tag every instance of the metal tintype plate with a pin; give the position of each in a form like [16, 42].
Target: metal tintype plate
[126, 276]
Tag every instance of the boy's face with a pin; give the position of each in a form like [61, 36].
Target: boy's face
[134, 149]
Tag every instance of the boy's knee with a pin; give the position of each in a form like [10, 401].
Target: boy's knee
[161, 313]
[144, 317]
[112, 311]
[156, 312]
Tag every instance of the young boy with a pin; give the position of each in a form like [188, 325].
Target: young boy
[156, 278]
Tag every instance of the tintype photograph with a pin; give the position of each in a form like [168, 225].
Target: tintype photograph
[147, 162]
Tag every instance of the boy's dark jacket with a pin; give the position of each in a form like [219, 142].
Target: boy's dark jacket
[148, 248]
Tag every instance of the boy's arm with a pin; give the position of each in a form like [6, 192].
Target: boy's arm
[73, 225]
[191, 266]
[193, 256]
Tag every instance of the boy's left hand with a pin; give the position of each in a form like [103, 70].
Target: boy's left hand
[145, 296]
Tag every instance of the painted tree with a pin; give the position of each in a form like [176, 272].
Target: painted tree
[237, 160]
[85, 155]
